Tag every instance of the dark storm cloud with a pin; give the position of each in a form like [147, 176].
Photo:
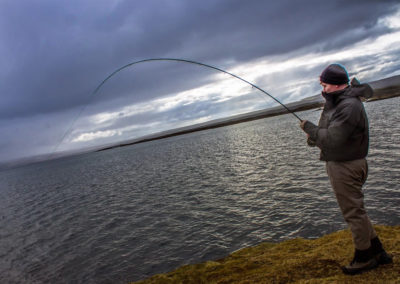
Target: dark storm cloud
[56, 52]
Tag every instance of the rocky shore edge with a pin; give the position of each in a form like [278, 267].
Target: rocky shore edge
[292, 261]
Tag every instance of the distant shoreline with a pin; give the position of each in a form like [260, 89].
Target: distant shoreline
[383, 89]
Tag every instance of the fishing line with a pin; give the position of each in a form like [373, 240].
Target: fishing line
[168, 59]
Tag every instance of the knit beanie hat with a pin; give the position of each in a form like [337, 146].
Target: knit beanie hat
[334, 74]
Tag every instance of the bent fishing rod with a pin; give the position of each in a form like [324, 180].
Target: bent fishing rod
[176, 60]
[197, 63]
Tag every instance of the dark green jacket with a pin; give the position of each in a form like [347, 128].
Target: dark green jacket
[342, 132]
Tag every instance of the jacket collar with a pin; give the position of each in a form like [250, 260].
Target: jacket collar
[333, 97]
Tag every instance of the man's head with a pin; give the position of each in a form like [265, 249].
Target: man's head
[334, 78]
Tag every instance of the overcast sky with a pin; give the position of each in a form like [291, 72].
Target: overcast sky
[55, 53]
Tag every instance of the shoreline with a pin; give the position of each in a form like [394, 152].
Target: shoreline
[292, 261]
[383, 89]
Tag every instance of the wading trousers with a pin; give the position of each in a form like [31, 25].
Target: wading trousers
[347, 179]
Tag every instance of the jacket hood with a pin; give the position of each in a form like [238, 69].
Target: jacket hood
[360, 90]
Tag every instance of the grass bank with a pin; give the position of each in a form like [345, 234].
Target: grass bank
[293, 261]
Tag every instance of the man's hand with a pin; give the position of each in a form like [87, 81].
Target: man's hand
[309, 141]
[302, 124]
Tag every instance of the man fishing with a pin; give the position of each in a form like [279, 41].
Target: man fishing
[343, 137]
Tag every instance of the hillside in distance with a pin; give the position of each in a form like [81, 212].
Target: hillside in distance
[383, 89]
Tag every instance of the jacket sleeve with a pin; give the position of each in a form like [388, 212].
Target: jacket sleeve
[341, 126]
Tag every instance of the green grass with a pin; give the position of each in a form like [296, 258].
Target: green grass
[293, 261]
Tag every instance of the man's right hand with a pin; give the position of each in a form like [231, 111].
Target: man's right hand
[302, 124]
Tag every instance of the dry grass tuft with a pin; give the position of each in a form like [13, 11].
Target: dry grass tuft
[292, 261]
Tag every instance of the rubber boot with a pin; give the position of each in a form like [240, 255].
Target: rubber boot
[379, 253]
[363, 261]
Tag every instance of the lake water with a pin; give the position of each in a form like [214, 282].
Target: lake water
[128, 213]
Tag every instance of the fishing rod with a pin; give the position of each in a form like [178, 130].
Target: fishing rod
[197, 63]
[176, 60]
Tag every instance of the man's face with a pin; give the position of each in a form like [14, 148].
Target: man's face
[328, 88]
